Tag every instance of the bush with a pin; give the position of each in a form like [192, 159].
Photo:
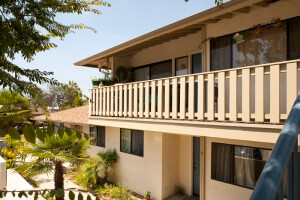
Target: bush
[115, 191]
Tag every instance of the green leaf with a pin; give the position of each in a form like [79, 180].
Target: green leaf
[60, 132]
[13, 133]
[60, 193]
[88, 197]
[97, 198]
[68, 131]
[86, 136]
[71, 195]
[30, 192]
[13, 194]
[79, 135]
[29, 134]
[80, 197]
[49, 131]
[2, 133]
[41, 135]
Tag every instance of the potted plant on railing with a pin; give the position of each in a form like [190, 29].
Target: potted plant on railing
[147, 195]
[96, 81]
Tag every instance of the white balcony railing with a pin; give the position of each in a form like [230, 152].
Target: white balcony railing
[260, 93]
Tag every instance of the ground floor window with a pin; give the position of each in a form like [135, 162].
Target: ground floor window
[238, 165]
[98, 134]
[132, 142]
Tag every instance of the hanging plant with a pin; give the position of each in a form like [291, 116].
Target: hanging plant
[239, 38]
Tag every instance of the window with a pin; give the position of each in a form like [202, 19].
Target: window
[181, 66]
[141, 73]
[197, 63]
[132, 142]
[98, 134]
[238, 165]
[266, 45]
[161, 69]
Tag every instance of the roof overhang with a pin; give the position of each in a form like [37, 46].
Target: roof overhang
[175, 30]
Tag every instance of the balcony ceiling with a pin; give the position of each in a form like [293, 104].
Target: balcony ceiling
[175, 30]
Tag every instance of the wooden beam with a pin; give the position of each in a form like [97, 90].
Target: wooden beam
[209, 21]
[242, 10]
[263, 4]
[224, 16]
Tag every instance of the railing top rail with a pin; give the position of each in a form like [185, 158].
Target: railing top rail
[269, 182]
[211, 72]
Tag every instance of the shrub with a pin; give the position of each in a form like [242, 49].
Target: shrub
[115, 191]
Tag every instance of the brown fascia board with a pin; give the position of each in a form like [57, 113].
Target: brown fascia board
[189, 21]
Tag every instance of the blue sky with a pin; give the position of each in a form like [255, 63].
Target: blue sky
[124, 20]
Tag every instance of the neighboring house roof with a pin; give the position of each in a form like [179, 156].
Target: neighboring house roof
[78, 115]
[177, 29]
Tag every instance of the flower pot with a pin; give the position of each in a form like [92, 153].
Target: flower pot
[95, 83]
[147, 198]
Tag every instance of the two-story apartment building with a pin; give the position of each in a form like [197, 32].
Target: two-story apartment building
[208, 99]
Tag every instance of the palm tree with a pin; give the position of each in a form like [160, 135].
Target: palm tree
[51, 154]
[95, 171]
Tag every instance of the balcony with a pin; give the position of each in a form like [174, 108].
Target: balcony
[258, 94]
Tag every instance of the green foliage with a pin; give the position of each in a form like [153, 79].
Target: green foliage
[115, 191]
[64, 96]
[27, 28]
[13, 154]
[96, 169]
[15, 110]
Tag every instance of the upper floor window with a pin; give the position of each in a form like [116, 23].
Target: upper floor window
[267, 44]
[132, 142]
[181, 66]
[98, 134]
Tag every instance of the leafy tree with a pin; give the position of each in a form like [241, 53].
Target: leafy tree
[26, 27]
[15, 110]
[64, 96]
[50, 155]
[95, 171]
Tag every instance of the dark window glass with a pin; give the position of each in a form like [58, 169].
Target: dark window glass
[221, 162]
[267, 46]
[141, 74]
[98, 135]
[181, 66]
[248, 165]
[197, 63]
[294, 39]
[220, 53]
[238, 165]
[132, 141]
[161, 70]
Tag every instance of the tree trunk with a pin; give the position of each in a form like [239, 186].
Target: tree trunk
[59, 178]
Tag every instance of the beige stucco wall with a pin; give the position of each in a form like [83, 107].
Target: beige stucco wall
[215, 190]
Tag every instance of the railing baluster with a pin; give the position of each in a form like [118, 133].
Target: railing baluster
[94, 102]
[200, 97]
[221, 96]
[232, 96]
[147, 99]
[210, 97]
[107, 101]
[274, 94]
[120, 100]
[116, 99]
[112, 100]
[259, 94]
[182, 93]
[141, 99]
[191, 103]
[291, 86]
[246, 95]
[174, 98]
[153, 99]
[167, 99]
[159, 96]
[135, 100]
[130, 101]
[125, 100]
[101, 101]
[104, 101]
[97, 101]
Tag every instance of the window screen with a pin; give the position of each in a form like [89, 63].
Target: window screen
[98, 135]
[161, 70]
[197, 63]
[141, 74]
[132, 141]
[294, 39]
[220, 53]
[181, 65]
